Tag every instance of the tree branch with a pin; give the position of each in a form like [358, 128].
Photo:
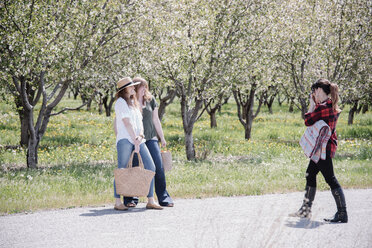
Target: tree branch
[40, 90]
[238, 104]
[24, 96]
[29, 21]
[260, 101]
[44, 103]
[59, 96]
[53, 92]
[69, 109]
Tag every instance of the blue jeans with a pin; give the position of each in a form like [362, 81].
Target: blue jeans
[160, 182]
[125, 149]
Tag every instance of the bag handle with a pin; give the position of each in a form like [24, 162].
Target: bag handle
[130, 162]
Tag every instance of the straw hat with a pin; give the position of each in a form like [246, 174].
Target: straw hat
[125, 82]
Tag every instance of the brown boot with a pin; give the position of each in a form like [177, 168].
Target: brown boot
[305, 209]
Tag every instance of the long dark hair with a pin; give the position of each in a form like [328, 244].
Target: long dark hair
[329, 88]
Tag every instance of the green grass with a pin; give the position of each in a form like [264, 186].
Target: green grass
[77, 156]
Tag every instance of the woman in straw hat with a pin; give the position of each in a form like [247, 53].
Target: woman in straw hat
[129, 136]
[152, 130]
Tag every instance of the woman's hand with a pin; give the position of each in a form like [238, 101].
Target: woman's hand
[312, 103]
[138, 140]
[137, 143]
[136, 148]
[163, 143]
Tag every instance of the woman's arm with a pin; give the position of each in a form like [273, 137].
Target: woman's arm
[321, 112]
[115, 128]
[158, 128]
[136, 139]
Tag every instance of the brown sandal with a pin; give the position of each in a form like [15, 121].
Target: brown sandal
[153, 206]
[120, 207]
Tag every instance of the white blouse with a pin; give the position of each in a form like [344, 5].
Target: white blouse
[122, 110]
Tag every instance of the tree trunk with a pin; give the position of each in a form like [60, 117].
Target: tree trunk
[165, 101]
[161, 110]
[212, 106]
[89, 104]
[226, 100]
[248, 128]
[32, 156]
[189, 117]
[189, 142]
[100, 108]
[249, 115]
[212, 116]
[365, 108]
[352, 113]
[359, 108]
[108, 107]
[291, 105]
[245, 103]
[270, 104]
[108, 104]
[24, 128]
[36, 131]
[303, 106]
[23, 120]
[87, 100]
[99, 101]
[75, 91]
[280, 101]
[269, 99]
[108, 113]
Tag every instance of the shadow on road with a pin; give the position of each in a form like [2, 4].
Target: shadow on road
[304, 223]
[111, 211]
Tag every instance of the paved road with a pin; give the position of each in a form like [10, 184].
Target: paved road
[252, 221]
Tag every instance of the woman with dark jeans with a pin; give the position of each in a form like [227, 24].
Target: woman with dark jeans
[323, 107]
[160, 182]
[152, 130]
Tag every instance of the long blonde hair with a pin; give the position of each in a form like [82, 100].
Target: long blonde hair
[329, 88]
[147, 96]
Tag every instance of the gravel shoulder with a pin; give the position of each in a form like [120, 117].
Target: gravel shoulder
[250, 221]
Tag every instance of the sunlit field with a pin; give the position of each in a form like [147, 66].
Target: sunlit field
[77, 156]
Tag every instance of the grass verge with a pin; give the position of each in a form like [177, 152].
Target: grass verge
[77, 157]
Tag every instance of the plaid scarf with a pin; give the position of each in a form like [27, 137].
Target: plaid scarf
[315, 139]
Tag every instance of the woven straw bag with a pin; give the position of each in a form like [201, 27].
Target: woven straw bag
[166, 157]
[133, 181]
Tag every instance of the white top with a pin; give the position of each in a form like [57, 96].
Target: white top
[122, 110]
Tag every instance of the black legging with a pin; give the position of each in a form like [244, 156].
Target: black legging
[326, 168]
